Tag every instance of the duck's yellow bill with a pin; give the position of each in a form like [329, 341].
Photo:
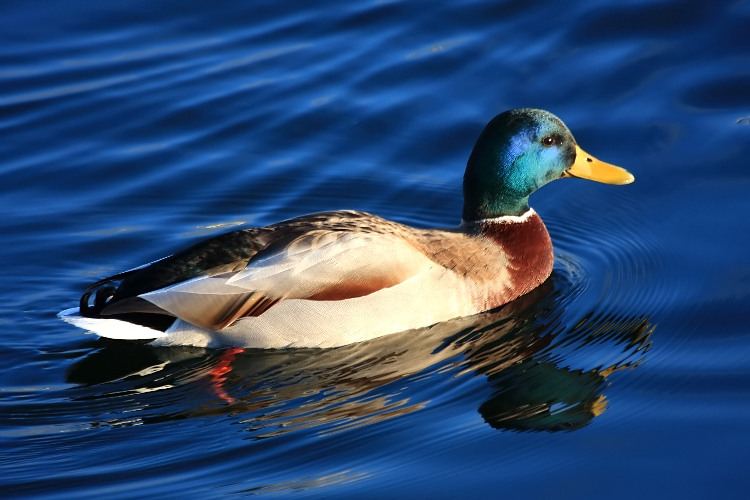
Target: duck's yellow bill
[588, 167]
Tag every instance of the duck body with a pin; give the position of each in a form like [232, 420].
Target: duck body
[334, 278]
[344, 277]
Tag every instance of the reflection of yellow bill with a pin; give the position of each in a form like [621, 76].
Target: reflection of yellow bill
[588, 167]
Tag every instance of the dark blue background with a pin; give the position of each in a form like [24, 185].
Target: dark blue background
[130, 129]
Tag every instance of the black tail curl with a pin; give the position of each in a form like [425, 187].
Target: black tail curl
[102, 296]
[104, 293]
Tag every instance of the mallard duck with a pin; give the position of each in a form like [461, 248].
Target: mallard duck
[334, 278]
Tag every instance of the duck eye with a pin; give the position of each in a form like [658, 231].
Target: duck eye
[548, 141]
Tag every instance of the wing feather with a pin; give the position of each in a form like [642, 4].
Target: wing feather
[325, 266]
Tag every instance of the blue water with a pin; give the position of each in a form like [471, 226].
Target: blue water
[131, 129]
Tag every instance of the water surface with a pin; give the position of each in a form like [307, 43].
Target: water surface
[129, 131]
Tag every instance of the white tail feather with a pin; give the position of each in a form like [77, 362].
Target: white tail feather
[109, 328]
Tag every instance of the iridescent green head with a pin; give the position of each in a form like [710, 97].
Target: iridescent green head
[520, 151]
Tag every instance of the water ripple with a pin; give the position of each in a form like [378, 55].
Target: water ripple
[131, 132]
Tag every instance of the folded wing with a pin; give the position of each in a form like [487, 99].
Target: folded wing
[319, 265]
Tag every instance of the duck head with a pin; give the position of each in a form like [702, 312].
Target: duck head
[520, 151]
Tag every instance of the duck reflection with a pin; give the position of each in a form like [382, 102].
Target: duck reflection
[536, 368]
